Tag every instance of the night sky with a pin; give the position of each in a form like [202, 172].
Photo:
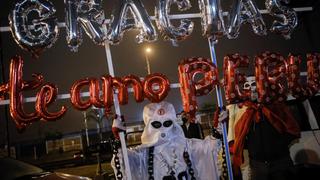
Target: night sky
[62, 67]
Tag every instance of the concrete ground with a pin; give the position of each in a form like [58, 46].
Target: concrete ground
[89, 171]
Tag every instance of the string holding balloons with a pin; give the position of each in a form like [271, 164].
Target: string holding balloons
[38, 33]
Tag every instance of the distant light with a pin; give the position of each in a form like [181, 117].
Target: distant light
[148, 50]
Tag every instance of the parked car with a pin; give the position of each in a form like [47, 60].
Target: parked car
[78, 155]
[11, 169]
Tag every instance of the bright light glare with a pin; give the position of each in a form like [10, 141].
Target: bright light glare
[148, 50]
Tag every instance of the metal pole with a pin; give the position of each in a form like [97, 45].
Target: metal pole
[117, 108]
[86, 127]
[6, 115]
[148, 63]
[220, 104]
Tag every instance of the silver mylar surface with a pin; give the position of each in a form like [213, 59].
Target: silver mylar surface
[211, 18]
[245, 11]
[289, 17]
[169, 31]
[84, 15]
[121, 21]
[31, 33]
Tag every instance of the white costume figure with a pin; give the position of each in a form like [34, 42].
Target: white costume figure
[165, 153]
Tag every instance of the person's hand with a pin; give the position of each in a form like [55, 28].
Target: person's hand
[223, 116]
[220, 116]
[118, 126]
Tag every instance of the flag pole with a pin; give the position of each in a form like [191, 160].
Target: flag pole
[212, 42]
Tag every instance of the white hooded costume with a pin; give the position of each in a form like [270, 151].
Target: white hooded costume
[166, 136]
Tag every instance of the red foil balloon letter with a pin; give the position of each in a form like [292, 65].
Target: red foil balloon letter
[136, 85]
[16, 87]
[3, 91]
[46, 96]
[189, 87]
[313, 65]
[107, 92]
[75, 94]
[122, 90]
[293, 74]
[156, 87]
[233, 79]
[270, 74]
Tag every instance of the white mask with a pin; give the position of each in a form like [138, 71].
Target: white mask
[160, 124]
[250, 84]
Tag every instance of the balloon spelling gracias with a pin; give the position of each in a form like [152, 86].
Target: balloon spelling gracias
[275, 76]
[35, 33]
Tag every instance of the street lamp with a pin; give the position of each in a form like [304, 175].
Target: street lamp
[147, 52]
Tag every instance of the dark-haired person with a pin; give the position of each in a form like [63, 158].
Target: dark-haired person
[191, 129]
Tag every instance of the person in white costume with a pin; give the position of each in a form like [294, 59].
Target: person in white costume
[166, 154]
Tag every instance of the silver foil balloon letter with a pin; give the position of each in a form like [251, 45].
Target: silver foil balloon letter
[245, 11]
[288, 16]
[211, 18]
[87, 14]
[163, 22]
[34, 25]
[138, 18]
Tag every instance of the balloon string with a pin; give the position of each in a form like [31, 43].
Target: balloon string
[220, 104]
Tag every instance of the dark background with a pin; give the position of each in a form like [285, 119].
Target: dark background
[62, 67]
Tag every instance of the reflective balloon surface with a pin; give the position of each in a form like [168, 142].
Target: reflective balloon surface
[46, 96]
[169, 31]
[245, 11]
[270, 76]
[121, 21]
[156, 87]
[313, 69]
[84, 15]
[296, 89]
[233, 79]
[197, 77]
[34, 33]
[211, 18]
[289, 17]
